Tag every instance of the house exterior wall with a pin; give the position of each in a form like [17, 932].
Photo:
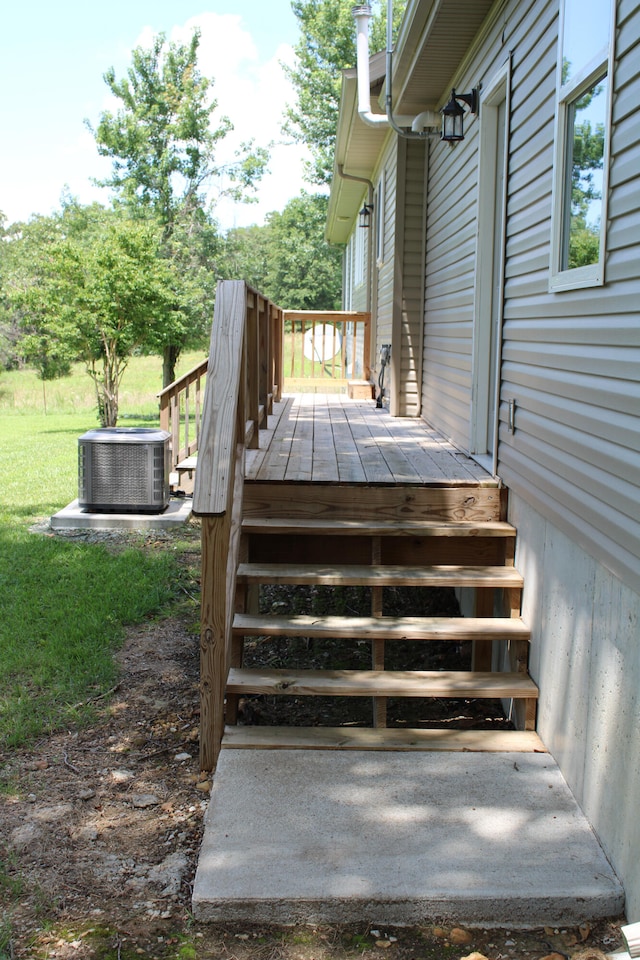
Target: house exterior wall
[356, 272]
[449, 286]
[571, 360]
[384, 253]
[585, 656]
[571, 363]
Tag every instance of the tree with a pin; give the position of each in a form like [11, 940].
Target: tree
[35, 297]
[162, 141]
[124, 288]
[91, 285]
[326, 47]
[288, 259]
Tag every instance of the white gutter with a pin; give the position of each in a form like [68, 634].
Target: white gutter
[417, 125]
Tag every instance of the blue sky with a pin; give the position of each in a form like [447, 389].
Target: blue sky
[52, 60]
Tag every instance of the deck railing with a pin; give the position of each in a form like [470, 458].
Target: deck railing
[244, 376]
[243, 379]
[325, 349]
[181, 412]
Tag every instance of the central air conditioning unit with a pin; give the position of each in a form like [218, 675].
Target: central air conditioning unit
[124, 470]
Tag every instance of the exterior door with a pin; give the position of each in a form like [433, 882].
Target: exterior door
[489, 292]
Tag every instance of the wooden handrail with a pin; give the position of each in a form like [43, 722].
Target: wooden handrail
[327, 345]
[244, 359]
[175, 410]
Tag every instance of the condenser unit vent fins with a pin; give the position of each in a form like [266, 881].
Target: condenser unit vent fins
[124, 469]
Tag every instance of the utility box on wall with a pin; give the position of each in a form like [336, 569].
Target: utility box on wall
[124, 470]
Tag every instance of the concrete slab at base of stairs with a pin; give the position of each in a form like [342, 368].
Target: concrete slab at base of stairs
[296, 836]
[74, 517]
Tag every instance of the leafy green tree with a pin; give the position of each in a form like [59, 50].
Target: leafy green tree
[9, 333]
[246, 256]
[35, 298]
[162, 141]
[326, 47]
[123, 289]
[288, 259]
[91, 284]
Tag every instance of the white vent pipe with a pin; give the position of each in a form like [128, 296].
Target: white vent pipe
[419, 124]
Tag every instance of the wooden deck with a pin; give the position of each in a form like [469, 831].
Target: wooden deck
[328, 438]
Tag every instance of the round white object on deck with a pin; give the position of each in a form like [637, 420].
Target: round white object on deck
[322, 343]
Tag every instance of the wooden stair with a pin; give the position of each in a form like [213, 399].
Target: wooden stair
[412, 538]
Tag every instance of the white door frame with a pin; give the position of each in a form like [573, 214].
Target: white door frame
[490, 261]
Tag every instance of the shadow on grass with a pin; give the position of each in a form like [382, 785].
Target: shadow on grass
[65, 606]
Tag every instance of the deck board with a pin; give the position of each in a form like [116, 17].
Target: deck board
[329, 438]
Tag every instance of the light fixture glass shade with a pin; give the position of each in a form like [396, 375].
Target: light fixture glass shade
[452, 121]
[365, 215]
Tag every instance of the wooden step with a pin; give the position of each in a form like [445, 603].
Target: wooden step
[383, 575]
[386, 683]
[375, 528]
[389, 738]
[383, 628]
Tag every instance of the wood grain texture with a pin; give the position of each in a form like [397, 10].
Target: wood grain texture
[367, 738]
[357, 575]
[377, 528]
[388, 628]
[388, 683]
[217, 443]
[369, 447]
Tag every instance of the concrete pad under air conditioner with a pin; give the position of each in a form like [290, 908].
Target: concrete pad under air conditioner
[75, 517]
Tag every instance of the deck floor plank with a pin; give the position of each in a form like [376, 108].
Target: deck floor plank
[329, 438]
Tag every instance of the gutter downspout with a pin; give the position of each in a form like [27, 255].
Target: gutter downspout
[369, 184]
[370, 251]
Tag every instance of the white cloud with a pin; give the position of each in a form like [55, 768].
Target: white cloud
[253, 93]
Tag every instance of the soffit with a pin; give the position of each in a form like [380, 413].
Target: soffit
[358, 147]
[434, 38]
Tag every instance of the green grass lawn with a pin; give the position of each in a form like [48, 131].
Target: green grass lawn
[65, 603]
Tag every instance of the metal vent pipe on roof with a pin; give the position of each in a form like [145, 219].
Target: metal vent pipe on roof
[420, 124]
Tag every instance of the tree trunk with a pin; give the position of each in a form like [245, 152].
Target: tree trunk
[170, 356]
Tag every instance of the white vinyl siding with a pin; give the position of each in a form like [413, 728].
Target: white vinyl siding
[409, 304]
[571, 360]
[449, 288]
[385, 269]
[356, 271]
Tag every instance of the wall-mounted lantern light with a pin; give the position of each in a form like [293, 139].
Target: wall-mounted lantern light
[365, 215]
[453, 115]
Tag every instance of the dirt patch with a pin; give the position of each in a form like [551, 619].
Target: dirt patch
[100, 830]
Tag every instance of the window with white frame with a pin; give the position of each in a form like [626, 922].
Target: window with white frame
[583, 121]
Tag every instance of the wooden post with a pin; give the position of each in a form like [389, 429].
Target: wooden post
[377, 654]
[262, 373]
[252, 345]
[366, 353]
[482, 650]
[213, 653]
